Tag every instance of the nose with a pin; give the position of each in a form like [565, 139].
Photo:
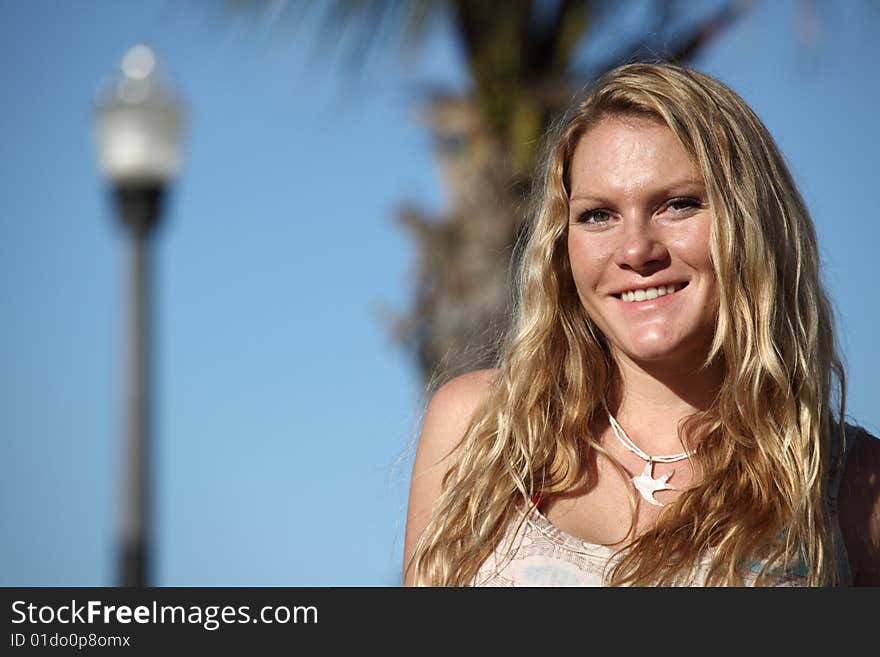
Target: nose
[641, 248]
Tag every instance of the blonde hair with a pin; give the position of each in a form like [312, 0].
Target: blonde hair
[764, 451]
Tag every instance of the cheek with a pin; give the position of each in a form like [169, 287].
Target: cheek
[586, 265]
[694, 250]
[694, 245]
[713, 304]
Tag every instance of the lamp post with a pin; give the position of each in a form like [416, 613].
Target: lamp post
[139, 125]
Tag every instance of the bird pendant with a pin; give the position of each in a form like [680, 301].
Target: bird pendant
[647, 485]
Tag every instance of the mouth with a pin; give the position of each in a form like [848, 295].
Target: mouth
[650, 293]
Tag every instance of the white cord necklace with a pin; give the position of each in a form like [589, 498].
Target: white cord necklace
[645, 482]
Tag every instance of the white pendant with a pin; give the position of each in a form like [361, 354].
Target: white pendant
[647, 485]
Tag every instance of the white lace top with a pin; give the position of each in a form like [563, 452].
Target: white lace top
[534, 552]
[537, 553]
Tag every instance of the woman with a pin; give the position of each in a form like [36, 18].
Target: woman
[669, 406]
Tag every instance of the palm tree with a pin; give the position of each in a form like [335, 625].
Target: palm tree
[524, 58]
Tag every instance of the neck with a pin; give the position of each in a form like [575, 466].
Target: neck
[654, 398]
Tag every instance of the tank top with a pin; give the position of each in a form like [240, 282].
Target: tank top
[534, 552]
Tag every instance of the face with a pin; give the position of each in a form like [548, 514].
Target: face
[638, 242]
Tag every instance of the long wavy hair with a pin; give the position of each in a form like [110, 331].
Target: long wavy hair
[763, 444]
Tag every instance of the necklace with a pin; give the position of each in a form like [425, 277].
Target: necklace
[645, 482]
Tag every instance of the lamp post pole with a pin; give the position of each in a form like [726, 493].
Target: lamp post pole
[139, 124]
[139, 209]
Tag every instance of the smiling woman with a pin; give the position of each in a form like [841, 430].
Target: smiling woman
[640, 223]
[669, 407]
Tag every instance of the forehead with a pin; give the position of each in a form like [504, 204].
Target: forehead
[627, 154]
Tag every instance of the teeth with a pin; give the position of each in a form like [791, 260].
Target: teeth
[650, 293]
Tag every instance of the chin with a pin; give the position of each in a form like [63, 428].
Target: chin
[667, 350]
[652, 355]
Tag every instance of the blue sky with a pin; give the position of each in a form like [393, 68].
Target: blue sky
[283, 407]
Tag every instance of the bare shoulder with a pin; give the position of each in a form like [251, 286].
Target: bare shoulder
[455, 402]
[859, 507]
[448, 416]
[447, 419]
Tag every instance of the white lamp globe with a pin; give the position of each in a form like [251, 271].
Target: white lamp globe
[139, 124]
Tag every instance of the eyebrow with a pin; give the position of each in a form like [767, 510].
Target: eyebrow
[666, 190]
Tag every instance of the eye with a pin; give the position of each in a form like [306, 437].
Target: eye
[594, 217]
[682, 204]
